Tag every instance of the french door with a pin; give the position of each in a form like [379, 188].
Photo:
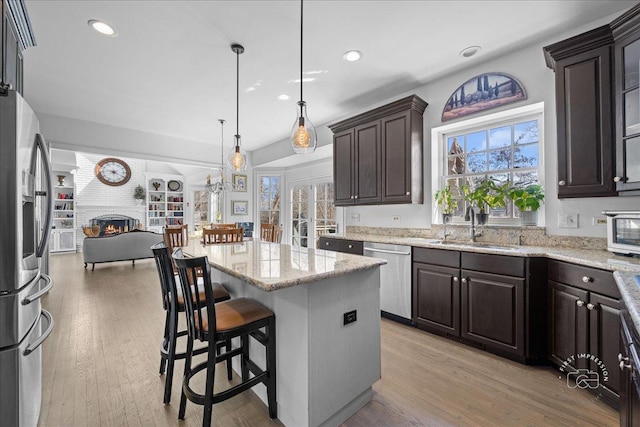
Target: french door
[312, 212]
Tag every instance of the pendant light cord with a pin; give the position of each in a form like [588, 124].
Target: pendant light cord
[221, 144]
[237, 94]
[301, 31]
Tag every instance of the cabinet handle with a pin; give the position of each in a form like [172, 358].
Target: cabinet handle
[326, 243]
[586, 279]
[408, 193]
[624, 366]
[455, 278]
[579, 303]
[351, 197]
[591, 306]
[621, 358]
[617, 178]
[561, 183]
[355, 197]
[464, 280]
[350, 246]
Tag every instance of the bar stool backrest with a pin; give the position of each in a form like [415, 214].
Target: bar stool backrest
[266, 232]
[165, 272]
[194, 306]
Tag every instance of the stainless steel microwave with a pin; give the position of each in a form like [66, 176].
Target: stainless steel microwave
[623, 232]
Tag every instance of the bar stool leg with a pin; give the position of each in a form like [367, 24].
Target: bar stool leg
[165, 342]
[208, 390]
[229, 373]
[171, 355]
[271, 367]
[187, 368]
[244, 342]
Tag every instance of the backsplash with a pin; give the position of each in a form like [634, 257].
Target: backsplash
[529, 236]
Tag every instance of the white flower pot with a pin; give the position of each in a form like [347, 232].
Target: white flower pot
[529, 217]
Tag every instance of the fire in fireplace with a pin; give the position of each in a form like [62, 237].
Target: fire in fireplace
[114, 224]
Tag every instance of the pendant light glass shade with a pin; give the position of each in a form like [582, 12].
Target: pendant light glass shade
[238, 157]
[303, 134]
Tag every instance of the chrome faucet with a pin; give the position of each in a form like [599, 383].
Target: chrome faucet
[469, 215]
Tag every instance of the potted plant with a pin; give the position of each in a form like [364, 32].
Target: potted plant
[528, 200]
[139, 194]
[446, 203]
[486, 195]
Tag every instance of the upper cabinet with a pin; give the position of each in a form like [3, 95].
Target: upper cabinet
[377, 155]
[598, 109]
[626, 32]
[15, 36]
[582, 66]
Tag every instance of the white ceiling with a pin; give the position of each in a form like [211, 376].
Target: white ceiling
[171, 71]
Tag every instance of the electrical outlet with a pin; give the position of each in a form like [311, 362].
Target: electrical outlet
[350, 317]
[567, 220]
[599, 220]
[355, 217]
[396, 218]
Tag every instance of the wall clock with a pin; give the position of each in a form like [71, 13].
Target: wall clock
[112, 171]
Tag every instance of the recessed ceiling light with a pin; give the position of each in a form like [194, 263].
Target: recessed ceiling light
[284, 97]
[102, 27]
[352, 55]
[468, 52]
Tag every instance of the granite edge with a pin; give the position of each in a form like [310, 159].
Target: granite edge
[630, 293]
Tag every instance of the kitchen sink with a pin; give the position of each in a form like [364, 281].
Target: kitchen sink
[473, 244]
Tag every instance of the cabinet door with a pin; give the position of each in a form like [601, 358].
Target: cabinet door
[368, 163]
[328, 244]
[67, 240]
[396, 155]
[604, 339]
[493, 311]
[436, 298]
[355, 247]
[343, 164]
[628, 114]
[585, 131]
[568, 324]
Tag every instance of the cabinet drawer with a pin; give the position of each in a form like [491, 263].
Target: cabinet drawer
[329, 244]
[442, 257]
[496, 264]
[351, 247]
[590, 279]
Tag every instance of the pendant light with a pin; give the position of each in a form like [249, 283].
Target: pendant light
[303, 134]
[238, 157]
[221, 185]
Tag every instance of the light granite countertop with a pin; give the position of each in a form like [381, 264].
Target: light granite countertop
[629, 286]
[273, 266]
[591, 258]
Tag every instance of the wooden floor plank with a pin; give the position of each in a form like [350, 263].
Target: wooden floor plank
[100, 368]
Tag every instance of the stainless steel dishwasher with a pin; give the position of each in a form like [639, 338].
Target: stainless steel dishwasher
[395, 279]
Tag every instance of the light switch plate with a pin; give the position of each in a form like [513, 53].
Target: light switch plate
[567, 220]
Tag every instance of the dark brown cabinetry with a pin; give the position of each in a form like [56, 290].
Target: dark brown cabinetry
[629, 366]
[626, 32]
[584, 311]
[15, 36]
[340, 245]
[480, 298]
[377, 155]
[584, 99]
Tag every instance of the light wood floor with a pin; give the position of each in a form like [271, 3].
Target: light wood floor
[100, 367]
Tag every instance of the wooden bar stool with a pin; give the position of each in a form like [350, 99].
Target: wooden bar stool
[176, 236]
[212, 323]
[267, 232]
[172, 306]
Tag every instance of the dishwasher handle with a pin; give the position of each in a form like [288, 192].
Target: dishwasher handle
[387, 251]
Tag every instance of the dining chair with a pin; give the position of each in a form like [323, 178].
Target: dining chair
[222, 235]
[213, 225]
[267, 232]
[211, 323]
[176, 236]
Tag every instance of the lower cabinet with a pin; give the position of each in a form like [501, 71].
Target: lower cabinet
[584, 319]
[480, 299]
[62, 241]
[355, 247]
[629, 367]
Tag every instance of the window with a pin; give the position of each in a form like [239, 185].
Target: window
[312, 212]
[201, 211]
[503, 147]
[269, 199]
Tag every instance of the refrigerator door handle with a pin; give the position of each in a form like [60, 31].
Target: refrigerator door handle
[42, 147]
[31, 298]
[37, 343]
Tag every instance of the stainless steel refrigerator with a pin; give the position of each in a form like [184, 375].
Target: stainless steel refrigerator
[25, 226]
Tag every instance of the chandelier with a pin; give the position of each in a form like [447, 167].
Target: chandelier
[223, 183]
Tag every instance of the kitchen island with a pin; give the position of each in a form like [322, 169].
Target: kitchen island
[328, 357]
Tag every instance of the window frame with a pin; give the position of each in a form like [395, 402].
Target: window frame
[258, 181]
[439, 149]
